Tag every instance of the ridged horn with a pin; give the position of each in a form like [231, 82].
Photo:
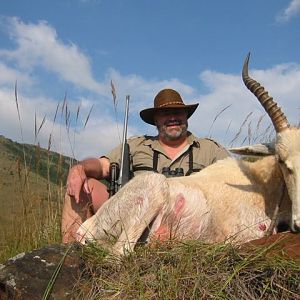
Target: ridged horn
[278, 118]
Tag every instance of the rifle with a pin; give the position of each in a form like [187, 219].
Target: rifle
[121, 175]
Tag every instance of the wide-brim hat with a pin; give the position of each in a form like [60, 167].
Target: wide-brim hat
[166, 99]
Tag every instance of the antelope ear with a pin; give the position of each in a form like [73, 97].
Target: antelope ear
[256, 150]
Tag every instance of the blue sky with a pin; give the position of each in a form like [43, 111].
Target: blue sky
[73, 49]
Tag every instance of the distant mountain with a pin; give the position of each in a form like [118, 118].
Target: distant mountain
[48, 164]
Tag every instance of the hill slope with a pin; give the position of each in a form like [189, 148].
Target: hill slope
[30, 178]
[47, 164]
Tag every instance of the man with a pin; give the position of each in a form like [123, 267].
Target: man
[174, 151]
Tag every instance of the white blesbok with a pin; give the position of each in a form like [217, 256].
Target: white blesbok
[230, 200]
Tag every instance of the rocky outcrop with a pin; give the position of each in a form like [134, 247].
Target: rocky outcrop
[27, 275]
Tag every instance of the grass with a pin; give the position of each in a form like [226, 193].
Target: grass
[189, 270]
[30, 196]
[32, 187]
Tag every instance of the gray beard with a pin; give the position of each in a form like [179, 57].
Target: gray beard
[175, 136]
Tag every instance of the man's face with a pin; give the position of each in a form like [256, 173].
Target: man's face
[171, 123]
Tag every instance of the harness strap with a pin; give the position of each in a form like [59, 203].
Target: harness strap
[191, 163]
[134, 168]
[155, 160]
[275, 214]
[155, 163]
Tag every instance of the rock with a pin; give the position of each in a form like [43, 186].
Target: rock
[26, 276]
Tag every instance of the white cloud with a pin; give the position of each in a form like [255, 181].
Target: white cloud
[100, 134]
[38, 45]
[141, 90]
[292, 10]
[9, 76]
[281, 81]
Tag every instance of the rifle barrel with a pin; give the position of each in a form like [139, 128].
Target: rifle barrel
[124, 142]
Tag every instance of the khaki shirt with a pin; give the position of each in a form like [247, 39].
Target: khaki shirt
[205, 152]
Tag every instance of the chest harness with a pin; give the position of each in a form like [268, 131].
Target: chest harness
[166, 170]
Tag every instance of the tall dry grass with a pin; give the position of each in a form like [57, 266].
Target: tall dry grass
[38, 186]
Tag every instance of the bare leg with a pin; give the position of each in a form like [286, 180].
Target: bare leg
[74, 214]
[99, 193]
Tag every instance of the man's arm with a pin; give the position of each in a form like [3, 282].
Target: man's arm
[89, 168]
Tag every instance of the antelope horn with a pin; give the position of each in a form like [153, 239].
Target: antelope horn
[278, 118]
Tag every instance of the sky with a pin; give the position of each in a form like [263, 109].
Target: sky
[60, 59]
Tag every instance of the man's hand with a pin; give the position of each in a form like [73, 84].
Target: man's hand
[77, 180]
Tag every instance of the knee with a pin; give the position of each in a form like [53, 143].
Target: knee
[99, 193]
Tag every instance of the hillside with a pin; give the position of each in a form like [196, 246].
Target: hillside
[47, 164]
[26, 188]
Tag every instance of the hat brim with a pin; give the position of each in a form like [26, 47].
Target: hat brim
[147, 115]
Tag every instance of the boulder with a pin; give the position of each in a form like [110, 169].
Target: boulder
[27, 275]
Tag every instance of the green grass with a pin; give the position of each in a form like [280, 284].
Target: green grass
[32, 186]
[31, 197]
[189, 270]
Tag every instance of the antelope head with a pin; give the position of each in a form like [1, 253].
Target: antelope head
[287, 144]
